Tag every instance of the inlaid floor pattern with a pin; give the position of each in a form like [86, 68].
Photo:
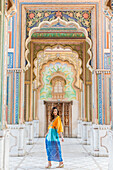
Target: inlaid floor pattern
[76, 157]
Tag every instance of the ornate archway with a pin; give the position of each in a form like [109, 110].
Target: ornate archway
[40, 49]
[54, 53]
[40, 32]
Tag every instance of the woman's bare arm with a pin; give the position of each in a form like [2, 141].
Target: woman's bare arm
[46, 133]
[62, 136]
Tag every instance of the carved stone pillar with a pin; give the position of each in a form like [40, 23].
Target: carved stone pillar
[5, 13]
[29, 133]
[4, 150]
[111, 48]
[100, 140]
[84, 133]
[95, 137]
[110, 166]
[110, 141]
[36, 128]
[89, 126]
[17, 140]
[79, 130]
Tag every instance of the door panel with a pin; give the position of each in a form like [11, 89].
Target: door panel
[66, 119]
[65, 113]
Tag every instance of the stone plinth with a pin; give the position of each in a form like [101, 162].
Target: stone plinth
[29, 133]
[100, 140]
[79, 130]
[91, 139]
[110, 142]
[4, 150]
[95, 140]
[17, 140]
[89, 126]
[42, 118]
[84, 133]
[75, 111]
[36, 128]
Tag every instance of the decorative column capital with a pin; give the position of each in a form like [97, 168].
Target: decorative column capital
[15, 70]
[100, 71]
[10, 9]
[108, 9]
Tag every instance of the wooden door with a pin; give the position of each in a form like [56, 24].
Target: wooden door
[65, 113]
[67, 120]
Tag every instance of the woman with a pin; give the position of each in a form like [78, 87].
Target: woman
[53, 147]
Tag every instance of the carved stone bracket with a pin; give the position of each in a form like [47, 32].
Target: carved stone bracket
[11, 9]
[108, 9]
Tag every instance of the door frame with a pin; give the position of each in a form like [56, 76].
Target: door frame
[70, 114]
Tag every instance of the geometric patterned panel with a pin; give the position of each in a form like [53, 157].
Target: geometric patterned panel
[107, 61]
[10, 60]
[17, 98]
[100, 98]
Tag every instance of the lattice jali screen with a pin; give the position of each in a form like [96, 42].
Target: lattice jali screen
[58, 88]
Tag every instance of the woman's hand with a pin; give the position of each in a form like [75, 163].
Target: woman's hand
[62, 136]
[62, 139]
[46, 134]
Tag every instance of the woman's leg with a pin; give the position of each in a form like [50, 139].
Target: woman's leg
[60, 163]
[49, 164]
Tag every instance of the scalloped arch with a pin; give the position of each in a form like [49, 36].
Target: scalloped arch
[50, 24]
[44, 57]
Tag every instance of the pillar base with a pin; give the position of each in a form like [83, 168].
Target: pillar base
[79, 130]
[84, 133]
[36, 128]
[17, 140]
[110, 141]
[89, 126]
[4, 150]
[99, 142]
[29, 133]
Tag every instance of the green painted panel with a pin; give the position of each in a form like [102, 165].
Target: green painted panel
[0, 6]
[58, 35]
[45, 93]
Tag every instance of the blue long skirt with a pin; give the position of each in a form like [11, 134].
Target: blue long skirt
[53, 146]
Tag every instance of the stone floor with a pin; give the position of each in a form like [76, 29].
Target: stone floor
[76, 157]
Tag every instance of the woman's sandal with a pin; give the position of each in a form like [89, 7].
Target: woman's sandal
[48, 167]
[60, 166]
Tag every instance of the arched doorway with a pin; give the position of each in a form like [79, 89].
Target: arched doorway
[40, 51]
[65, 112]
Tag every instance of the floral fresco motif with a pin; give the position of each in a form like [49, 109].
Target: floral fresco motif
[34, 18]
[45, 92]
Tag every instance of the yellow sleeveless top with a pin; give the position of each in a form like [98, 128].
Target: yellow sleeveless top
[57, 124]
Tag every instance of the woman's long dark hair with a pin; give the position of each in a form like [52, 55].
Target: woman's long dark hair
[52, 115]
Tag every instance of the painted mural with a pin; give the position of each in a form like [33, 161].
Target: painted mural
[84, 18]
[34, 18]
[45, 92]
